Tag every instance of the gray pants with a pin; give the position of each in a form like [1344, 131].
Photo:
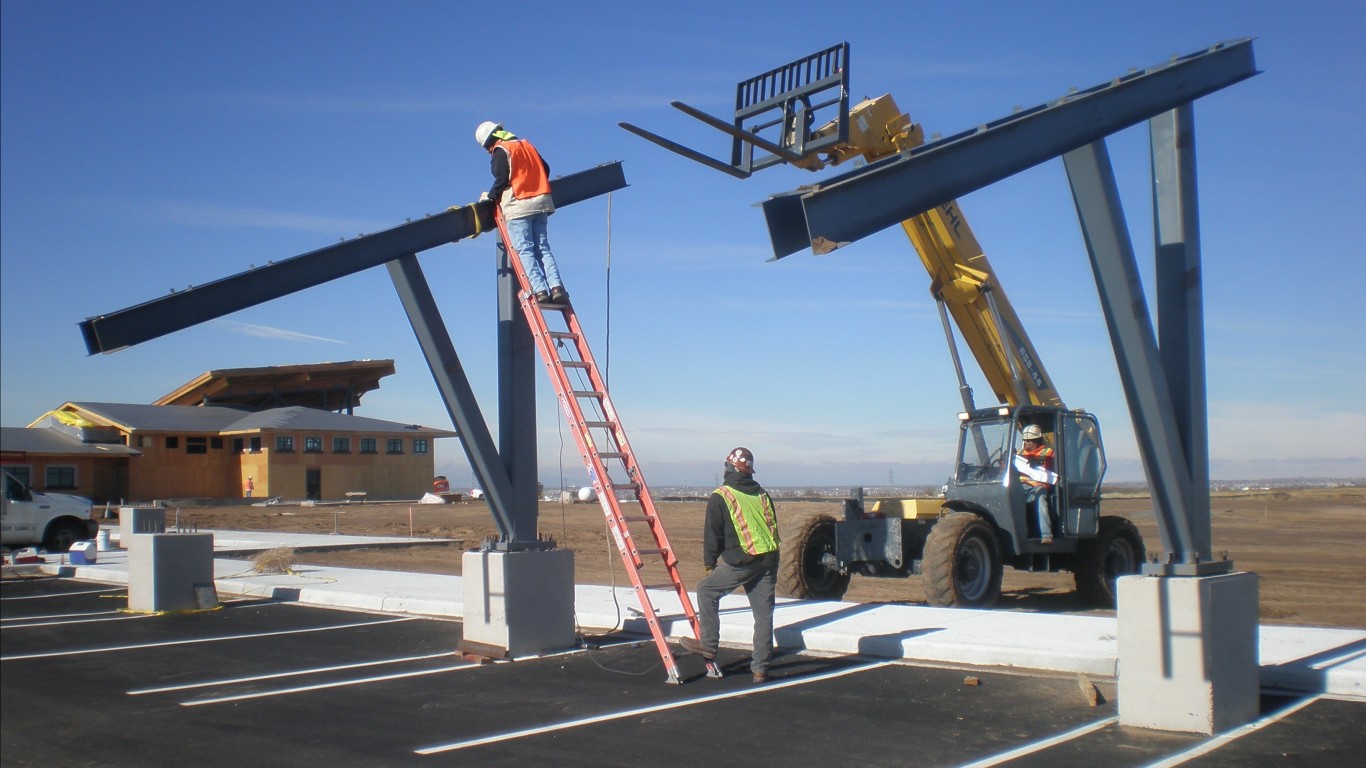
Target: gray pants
[759, 583]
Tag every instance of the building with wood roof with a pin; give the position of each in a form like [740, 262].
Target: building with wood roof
[119, 452]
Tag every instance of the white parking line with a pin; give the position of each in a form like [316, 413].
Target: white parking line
[321, 686]
[64, 594]
[1237, 733]
[1039, 746]
[295, 673]
[55, 616]
[141, 646]
[510, 735]
[123, 617]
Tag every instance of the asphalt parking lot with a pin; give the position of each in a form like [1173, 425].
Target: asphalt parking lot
[262, 682]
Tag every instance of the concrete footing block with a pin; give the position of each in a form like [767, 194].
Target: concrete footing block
[518, 603]
[170, 572]
[1188, 652]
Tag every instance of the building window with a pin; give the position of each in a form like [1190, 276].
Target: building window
[367, 445]
[419, 445]
[60, 477]
[196, 445]
[145, 441]
[22, 474]
[313, 444]
[284, 443]
[172, 442]
[256, 444]
[341, 445]
[216, 443]
[394, 445]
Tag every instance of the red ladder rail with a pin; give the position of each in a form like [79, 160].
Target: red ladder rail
[607, 456]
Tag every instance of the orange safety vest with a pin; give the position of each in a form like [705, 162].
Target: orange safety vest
[1042, 458]
[526, 173]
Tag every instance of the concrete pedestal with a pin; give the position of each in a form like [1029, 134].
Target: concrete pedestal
[518, 603]
[1188, 652]
[170, 572]
[133, 520]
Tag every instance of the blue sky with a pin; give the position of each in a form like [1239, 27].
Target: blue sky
[148, 146]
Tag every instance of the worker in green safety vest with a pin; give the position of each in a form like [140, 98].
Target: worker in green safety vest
[739, 549]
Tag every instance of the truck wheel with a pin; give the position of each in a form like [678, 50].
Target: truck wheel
[1117, 550]
[801, 574]
[962, 565]
[61, 534]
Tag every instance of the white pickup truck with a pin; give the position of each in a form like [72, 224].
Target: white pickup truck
[54, 520]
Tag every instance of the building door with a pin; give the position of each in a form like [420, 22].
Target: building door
[313, 483]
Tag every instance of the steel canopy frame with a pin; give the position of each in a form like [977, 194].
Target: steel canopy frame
[856, 204]
[509, 477]
[1164, 386]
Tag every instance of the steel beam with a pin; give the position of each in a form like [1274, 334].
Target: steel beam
[458, 396]
[1141, 371]
[860, 203]
[1180, 304]
[183, 309]
[516, 396]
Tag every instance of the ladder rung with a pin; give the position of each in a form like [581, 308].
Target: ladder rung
[669, 585]
[575, 364]
[653, 551]
[562, 335]
[601, 425]
[611, 455]
[637, 518]
[623, 486]
[585, 393]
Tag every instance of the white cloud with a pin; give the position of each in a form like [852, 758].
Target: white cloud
[267, 332]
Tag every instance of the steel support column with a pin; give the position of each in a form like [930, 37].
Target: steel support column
[1180, 303]
[458, 396]
[516, 394]
[1141, 371]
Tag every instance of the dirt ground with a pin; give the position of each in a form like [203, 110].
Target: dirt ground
[1308, 547]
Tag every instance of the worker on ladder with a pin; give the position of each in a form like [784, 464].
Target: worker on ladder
[739, 549]
[521, 189]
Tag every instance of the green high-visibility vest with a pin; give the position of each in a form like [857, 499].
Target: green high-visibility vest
[755, 523]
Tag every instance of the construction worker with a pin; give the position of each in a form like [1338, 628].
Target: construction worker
[521, 188]
[1036, 472]
[739, 549]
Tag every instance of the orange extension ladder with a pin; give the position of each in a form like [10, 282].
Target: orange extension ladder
[607, 456]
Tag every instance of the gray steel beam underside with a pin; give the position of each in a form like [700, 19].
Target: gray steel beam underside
[845, 208]
[184, 309]
[508, 478]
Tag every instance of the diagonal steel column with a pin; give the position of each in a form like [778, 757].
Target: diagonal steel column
[846, 208]
[1131, 334]
[178, 311]
[1180, 303]
[458, 396]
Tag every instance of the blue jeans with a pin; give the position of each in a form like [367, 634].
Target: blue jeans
[1042, 497]
[532, 245]
[759, 583]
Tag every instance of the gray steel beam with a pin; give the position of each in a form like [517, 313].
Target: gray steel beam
[516, 396]
[857, 204]
[1180, 302]
[1135, 344]
[458, 397]
[183, 309]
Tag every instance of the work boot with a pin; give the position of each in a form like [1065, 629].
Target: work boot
[692, 645]
[559, 295]
[761, 677]
[541, 297]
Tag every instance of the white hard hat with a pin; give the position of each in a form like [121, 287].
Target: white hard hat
[485, 129]
[1032, 432]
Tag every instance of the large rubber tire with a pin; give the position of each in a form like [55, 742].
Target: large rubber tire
[801, 574]
[962, 564]
[61, 534]
[1117, 550]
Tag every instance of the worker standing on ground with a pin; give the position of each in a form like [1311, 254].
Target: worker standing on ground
[521, 188]
[1037, 475]
[739, 549]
